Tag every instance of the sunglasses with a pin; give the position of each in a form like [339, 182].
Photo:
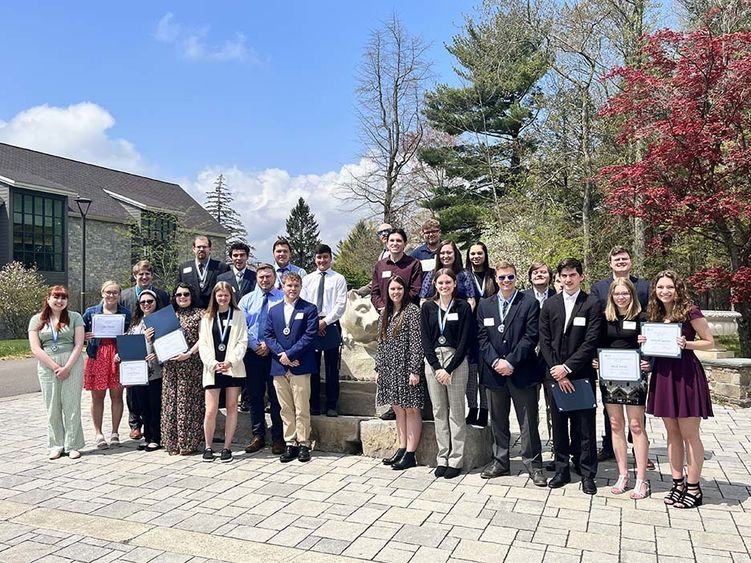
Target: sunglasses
[147, 302]
[383, 233]
[183, 294]
[509, 277]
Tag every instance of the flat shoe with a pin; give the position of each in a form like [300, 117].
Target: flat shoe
[115, 440]
[152, 447]
[101, 443]
[74, 454]
[55, 454]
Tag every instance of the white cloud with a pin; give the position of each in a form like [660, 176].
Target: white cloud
[265, 198]
[192, 43]
[79, 131]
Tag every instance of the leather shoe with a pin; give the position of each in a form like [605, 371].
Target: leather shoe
[538, 478]
[588, 486]
[257, 443]
[290, 453]
[332, 413]
[549, 466]
[604, 455]
[405, 463]
[388, 415]
[494, 469]
[398, 454]
[304, 454]
[135, 434]
[558, 480]
[277, 447]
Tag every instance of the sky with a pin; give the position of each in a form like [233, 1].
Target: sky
[261, 92]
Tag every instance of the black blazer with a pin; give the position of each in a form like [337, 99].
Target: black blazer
[575, 344]
[531, 293]
[517, 343]
[129, 301]
[188, 274]
[601, 288]
[247, 283]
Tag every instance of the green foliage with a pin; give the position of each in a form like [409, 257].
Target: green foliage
[14, 348]
[219, 205]
[356, 255]
[303, 235]
[22, 292]
[157, 238]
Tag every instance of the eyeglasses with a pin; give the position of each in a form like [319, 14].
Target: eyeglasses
[509, 277]
[111, 293]
[430, 232]
[147, 302]
[183, 294]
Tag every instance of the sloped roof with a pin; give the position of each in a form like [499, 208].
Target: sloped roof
[29, 168]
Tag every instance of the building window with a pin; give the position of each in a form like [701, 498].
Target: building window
[38, 230]
[154, 239]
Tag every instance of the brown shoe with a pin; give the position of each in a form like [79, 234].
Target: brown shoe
[277, 447]
[135, 434]
[256, 444]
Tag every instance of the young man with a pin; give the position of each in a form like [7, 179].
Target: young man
[540, 276]
[240, 277]
[569, 331]
[282, 256]
[328, 290]
[507, 325]
[202, 272]
[382, 232]
[255, 305]
[425, 253]
[396, 264]
[291, 330]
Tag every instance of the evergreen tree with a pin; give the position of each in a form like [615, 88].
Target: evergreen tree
[356, 255]
[303, 235]
[219, 205]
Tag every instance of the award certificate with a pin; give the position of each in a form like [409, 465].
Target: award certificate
[661, 340]
[107, 326]
[619, 364]
[134, 373]
[170, 345]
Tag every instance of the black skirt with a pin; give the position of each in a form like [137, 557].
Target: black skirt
[222, 381]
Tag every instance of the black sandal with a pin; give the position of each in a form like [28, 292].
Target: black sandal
[690, 499]
[675, 493]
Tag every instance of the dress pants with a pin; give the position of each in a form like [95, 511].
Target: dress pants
[331, 359]
[294, 397]
[152, 411]
[525, 406]
[449, 410]
[582, 440]
[258, 382]
[135, 420]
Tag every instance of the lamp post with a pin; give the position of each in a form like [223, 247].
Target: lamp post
[83, 208]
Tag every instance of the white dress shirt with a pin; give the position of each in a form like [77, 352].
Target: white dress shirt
[289, 309]
[540, 296]
[568, 304]
[334, 294]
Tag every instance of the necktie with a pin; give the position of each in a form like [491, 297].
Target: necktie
[321, 286]
[280, 275]
[201, 268]
[504, 308]
[262, 316]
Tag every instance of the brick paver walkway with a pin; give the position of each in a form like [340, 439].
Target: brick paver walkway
[126, 505]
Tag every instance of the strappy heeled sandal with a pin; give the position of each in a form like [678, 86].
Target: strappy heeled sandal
[101, 443]
[620, 485]
[641, 490]
[675, 493]
[692, 497]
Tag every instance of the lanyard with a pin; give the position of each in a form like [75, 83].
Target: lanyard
[287, 330]
[202, 275]
[442, 318]
[223, 331]
[55, 336]
[480, 288]
[501, 313]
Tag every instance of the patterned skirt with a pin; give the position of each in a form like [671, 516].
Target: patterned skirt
[102, 373]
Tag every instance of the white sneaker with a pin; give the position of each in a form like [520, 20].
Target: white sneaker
[55, 453]
[74, 454]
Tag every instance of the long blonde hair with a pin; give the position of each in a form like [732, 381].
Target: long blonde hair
[213, 307]
[611, 309]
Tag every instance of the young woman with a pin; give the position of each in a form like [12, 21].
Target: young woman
[449, 257]
[483, 276]
[678, 391]
[101, 372]
[56, 338]
[222, 342]
[182, 393]
[147, 399]
[620, 329]
[398, 364]
[446, 329]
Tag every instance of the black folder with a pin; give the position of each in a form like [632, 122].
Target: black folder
[131, 347]
[164, 321]
[581, 398]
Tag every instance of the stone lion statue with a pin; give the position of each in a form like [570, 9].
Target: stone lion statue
[360, 338]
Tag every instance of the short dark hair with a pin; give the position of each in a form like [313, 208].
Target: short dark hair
[399, 232]
[536, 266]
[238, 246]
[323, 249]
[618, 249]
[265, 266]
[281, 241]
[573, 263]
[193, 295]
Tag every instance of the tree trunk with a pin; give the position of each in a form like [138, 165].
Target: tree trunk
[744, 328]
[588, 187]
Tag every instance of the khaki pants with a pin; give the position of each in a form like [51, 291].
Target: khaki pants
[293, 392]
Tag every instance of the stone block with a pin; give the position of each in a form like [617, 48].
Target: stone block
[379, 439]
[730, 380]
[337, 434]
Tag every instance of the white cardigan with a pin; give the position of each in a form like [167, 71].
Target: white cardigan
[237, 344]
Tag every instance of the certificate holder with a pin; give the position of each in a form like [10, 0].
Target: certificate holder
[661, 340]
[134, 370]
[618, 364]
[107, 326]
[170, 345]
[580, 399]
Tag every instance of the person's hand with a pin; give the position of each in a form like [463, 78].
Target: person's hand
[558, 372]
[566, 385]
[375, 376]
[262, 350]
[641, 339]
[149, 333]
[595, 364]
[150, 357]
[322, 327]
[284, 360]
[62, 373]
[117, 358]
[183, 357]
[645, 365]
[414, 379]
[505, 368]
[681, 340]
[294, 363]
[88, 335]
[443, 377]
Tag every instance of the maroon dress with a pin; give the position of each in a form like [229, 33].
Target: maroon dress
[679, 388]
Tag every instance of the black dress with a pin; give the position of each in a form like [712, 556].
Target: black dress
[622, 334]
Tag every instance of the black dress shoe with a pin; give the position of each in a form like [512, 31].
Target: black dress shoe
[388, 415]
[290, 453]
[304, 454]
[558, 480]
[605, 455]
[398, 454]
[452, 472]
[588, 486]
[538, 478]
[549, 466]
[407, 461]
[440, 471]
[494, 469]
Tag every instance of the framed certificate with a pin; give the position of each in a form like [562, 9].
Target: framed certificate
[134, 373]
[107, 326]
[170, 345]
[662, 340]
[619, 364]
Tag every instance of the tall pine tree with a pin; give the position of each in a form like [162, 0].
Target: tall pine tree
[303, 235]
[219, 205]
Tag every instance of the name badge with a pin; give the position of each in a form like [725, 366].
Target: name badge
[187, 270]
[299, 316]
[629, 325]
[488, 322]
[386, 274]
[580, 321]
[452, 317]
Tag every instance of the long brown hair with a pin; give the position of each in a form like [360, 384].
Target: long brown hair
[444, 272]
[213, 307]
[611, 309]
[44, 317]
[388, 311]
[457, 264]
[681, 305]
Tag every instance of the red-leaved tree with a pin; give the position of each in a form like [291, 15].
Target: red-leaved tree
[688, 105]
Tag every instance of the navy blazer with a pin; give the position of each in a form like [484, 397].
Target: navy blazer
[601, 288]
[517, 343]
[93, 345]
[213, 269]
[299, 344]
[575, 344]
[247, 283]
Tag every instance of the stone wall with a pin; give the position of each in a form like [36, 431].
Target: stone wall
[730, 380]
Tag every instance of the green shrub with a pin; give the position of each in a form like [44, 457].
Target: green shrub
[22, 292]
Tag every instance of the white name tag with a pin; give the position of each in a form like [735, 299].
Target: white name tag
[187, 270]
[629, 325]
[580, 321]
[428, 264]
[386, 274]
[452, 317]
[299, 316]
[488, 322]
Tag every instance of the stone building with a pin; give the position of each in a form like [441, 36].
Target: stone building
[130, 217]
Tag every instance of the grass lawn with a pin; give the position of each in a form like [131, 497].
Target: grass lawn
[729, 343]
[14, 348]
